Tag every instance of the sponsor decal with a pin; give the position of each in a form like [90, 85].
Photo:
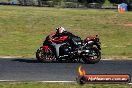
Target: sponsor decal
[83, 78]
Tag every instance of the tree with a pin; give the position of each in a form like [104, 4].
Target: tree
[81, 1]
[91, 1]
[116, 1]
[57, 0]
[71, 0]
[119, 1]
[26, 2]
[51, 0]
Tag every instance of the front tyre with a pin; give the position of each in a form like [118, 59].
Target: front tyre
[43, 55]
[93, 56]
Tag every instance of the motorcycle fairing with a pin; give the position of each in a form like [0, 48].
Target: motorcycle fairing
[57, 47]
[45, 47]
[60, 39]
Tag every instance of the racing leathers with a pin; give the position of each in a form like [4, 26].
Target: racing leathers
[72, 38]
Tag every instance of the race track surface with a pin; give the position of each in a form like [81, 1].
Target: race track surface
[31, 70]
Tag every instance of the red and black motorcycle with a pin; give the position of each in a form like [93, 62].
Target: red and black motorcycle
[61, 48]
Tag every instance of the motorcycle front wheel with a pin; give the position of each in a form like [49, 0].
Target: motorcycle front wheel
[93, 56]
[45, 55]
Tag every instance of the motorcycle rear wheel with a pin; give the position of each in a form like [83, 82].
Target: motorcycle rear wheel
[45, 55]
[94, 57]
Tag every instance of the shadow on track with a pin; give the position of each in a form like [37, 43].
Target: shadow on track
[32, 60]
[26, 60]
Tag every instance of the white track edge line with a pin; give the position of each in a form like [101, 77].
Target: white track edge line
[36, 81]
[44, 81]
[8, 80]
[10, 57]
[58, 81]
[106, 59]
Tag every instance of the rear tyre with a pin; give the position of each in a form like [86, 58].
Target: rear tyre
[93, 57]
[43, 55]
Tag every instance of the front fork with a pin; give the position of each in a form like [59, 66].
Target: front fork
[98, 45]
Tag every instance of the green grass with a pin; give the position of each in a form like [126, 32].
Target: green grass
[61, 85]
[22, 29]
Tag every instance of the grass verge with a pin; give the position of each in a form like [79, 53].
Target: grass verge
[22, 29]
[61, 85]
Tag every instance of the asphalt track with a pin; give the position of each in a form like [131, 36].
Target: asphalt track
[30, 70]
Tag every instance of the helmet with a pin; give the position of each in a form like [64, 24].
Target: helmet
[60, 30]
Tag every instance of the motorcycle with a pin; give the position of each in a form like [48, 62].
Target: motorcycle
[59, 49]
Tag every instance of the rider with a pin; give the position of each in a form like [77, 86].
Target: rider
[60, 31]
